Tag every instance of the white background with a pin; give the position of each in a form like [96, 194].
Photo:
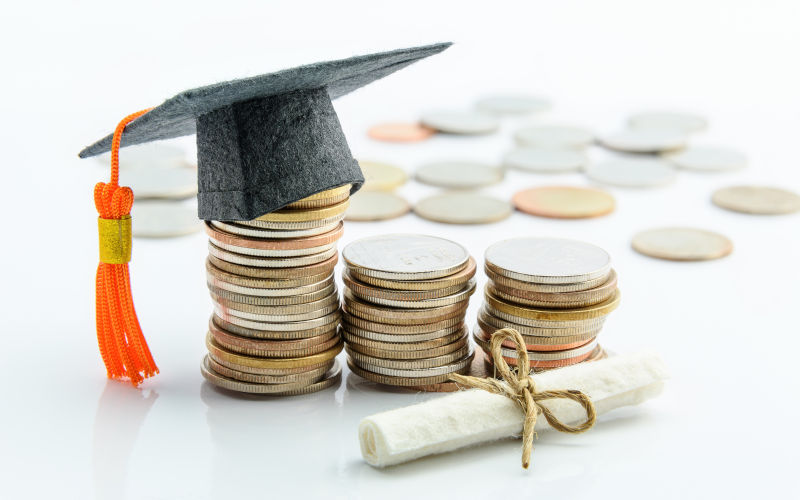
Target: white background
[726, 424]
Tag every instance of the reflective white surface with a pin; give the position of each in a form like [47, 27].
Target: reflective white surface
[727, 329]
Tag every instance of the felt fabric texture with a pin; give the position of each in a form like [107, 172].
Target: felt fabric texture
[291, 112]
[473, 416]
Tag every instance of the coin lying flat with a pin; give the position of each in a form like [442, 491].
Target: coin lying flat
[512, 317]
[289, 225]
[255, 232]
[555, 137]
[368, 292]
[545, 160]
[539, 336]
[460, 122]
[389, 315]
[363, 359]
[376, 205]
[324, 266]
[255, 261]
[543, 287]
[760, 200]
[401, 381]
[222, 239]
[163, 219]
[406, 337]
[548, 260]
[283, 325]
[307, 214]
[708, 159]
[564, 202]
[645, 140]
[668, 120]
[540, 313]
[461, 296]
[405, 256]
[512, 104]
[323, 198]
[331, 378]
[308, 377]
[632, 172]
[682, 243]
[594, 294]
[300, 330]
[400, 132]
[551, 343]
[463, 208]
[458, 278]
[381, 176]
[255, 362]
[459, 174]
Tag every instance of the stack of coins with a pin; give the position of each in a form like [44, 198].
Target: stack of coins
[276, 306]
[556, 293]
[405, 298]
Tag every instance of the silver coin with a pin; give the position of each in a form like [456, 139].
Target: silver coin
[545, 160]
[543, 287]
[280, 331]
[234, 314]
[331, 378]
[512, 104]
[292, 226]
[247, 260]
[320, 307]
[682, 243]
[260, 252]
[545, 323]
[376, 205]
[285, 300]
[460, 122]
[586, 327]
[403, 337]
[269, 292]
[163, 219]
[405, 364]
[243, 230]
[548, 260]
[417, 372]
[555, 137]
[405, 256]
[761, 200]
[460, 296]
[708, 159]
[632, 172]
[463, 208]
[645, 140]
[459, 174]
[668, 120]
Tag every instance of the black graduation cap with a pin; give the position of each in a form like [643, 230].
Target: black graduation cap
[267, 141]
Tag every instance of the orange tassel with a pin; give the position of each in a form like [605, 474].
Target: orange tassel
[119, 336]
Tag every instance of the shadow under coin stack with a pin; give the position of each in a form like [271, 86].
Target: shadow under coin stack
[556, 293]
[276, 306]
[405, 298]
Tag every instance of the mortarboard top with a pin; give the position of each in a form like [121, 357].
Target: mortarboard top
[266, 141]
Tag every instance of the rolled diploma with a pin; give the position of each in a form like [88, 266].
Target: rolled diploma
[473, 416]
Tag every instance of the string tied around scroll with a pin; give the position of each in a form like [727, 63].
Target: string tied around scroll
[520, 387]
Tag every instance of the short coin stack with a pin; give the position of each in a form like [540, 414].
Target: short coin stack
[404, 303]
[276, 306]
[554, 292]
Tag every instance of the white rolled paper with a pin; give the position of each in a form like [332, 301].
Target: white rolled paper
[474, 416]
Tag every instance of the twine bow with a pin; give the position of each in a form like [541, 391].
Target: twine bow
[521, 388]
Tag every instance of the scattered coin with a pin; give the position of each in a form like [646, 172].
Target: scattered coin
[376, 205]
[400, 132]
[565, 202]
[645, 140]
[632, 172]
[463, 174]
[163, 219]
[512, 105]
[555, 137]
[381, 176]
[545, 160]
[460, 122]
[682, 243]
[708, 159]
[760, 200]
[666, 120]
[463, 208]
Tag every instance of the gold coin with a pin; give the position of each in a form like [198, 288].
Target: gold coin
[271, 301]
[395, 316]
[277, 309]
[458, 278]
[271, 292]
[325, 343]
[331, 378]
[291, 225]
[254, 261]
[249, 282]
[278, 273]
[543, 287]
[461, 296]
[275, 335]
[542, 323]
[560, 304]
[389, 337]
[586, 328]
[284, 326]
[759, 200]
[433, 371]
[393, 329]
[274, 372]
[564, 202]
[314, 359]
[323, 198]
[401, 381]
[368, 292]
[306, 215]
[594, 311]
[308, 377]
[363, 359]
[485, 331]
[275, 234]
[681, 243]
[423, 353]
[381, 176]
[228, 313]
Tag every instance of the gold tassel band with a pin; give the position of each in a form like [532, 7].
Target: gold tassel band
[115, 240]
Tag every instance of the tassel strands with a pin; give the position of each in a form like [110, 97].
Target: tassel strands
[119, 335]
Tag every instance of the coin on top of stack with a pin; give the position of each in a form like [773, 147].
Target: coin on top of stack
[405, 298]
[276, 306]
[555, 292]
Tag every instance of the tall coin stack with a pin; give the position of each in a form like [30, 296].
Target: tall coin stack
[556, 293]
[405, 298]
[276, 306]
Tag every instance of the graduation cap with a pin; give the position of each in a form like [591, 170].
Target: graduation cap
[262, 143]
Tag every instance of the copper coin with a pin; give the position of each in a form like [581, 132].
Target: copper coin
[393, 329]
[459, 278]
[486, 336]
[510, 356]
[326, 266]
[590, 312]
[392, 315]
[590, 296]
[244, 345]
[299, 333]
[368, 292]
[564, 202]
[274, 244]
[400, 132]
[220, 352]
